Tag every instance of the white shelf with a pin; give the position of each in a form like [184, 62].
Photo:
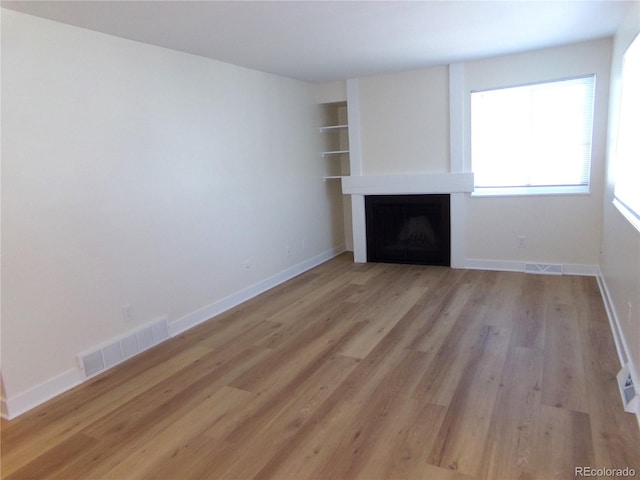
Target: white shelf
[334, 128]
[334, 153]
[335, 132]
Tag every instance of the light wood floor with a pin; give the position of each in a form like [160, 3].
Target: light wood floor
[355, 371]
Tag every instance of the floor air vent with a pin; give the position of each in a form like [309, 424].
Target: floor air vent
[121, 349]
[630, 398]
[543, 268]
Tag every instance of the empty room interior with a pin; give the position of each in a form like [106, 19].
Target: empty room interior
[320, 239]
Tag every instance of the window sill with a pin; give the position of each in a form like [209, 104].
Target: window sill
[627, 213]
[529, 191]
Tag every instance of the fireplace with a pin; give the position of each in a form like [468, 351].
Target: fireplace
[408, 229]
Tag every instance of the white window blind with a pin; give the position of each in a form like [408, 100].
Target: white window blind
[627, 155]
[533, 139]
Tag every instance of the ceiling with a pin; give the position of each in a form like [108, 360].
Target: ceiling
[321, 41]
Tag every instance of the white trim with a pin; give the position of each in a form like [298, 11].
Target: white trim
[457, 128]
[359, 222]
[353, 114]
[425, 183]
[458, 229]
[457, 147]
[531, 190]
[614, 322]
[519, 266]
[452, 183]
[494, 265]
[627, 213]
[25, 401]
[581, 269]
[193, 319]
[359, 238]
[619, 339]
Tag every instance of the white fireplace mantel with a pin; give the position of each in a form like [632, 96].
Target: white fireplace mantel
[408, 184]
[456, 184]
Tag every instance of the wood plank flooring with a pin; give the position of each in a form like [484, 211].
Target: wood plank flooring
[367, 371]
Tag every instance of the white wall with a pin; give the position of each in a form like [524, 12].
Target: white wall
[405, 129]
[620, 258]
[137, 175]
[405, 122]
[557, 229]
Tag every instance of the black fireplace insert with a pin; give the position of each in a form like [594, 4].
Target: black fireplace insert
[408, 229]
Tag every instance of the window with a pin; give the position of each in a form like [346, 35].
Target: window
[627, 154]
[533, 139]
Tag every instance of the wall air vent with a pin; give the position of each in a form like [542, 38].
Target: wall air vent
[543, 268]
[118, 350]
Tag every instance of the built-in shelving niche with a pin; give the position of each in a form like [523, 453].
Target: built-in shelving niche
[335, 133]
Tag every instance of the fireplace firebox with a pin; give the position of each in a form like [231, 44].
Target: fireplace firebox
[408, 229]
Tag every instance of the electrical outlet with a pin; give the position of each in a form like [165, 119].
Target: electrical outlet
[520, 241]
[127, 313]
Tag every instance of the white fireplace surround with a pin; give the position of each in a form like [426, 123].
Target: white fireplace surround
[458, 183]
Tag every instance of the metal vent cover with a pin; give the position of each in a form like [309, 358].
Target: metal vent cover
[544, 268]
[109, 355]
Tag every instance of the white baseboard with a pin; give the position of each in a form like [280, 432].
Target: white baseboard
[39, 394]
[622, 346]
[202, 315]
[493, 265]
[23, 402]
[581, 270]
[519, 266]
[614, 321]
